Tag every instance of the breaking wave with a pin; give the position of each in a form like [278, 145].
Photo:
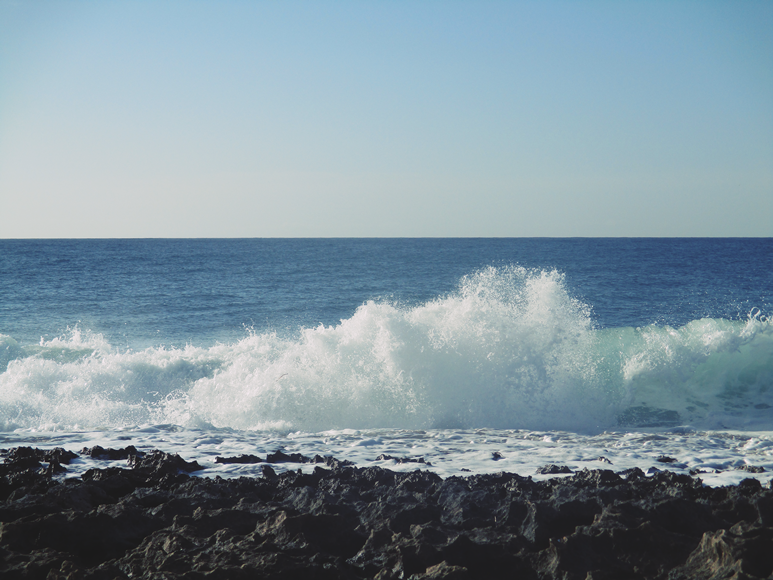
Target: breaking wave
[510, 348]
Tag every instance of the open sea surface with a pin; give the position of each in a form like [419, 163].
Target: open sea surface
[476, 355]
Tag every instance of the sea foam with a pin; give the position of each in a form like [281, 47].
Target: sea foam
[509, 349]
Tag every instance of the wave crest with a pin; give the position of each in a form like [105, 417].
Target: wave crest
[510, 348]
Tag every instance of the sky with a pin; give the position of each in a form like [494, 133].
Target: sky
[184, 119]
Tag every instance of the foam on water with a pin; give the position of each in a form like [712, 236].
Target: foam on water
[509, 349]
[716, 457]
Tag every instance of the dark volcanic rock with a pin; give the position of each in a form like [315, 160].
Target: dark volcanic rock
[742, 551]
[239, 459]
[331, 461]
[110, 454]
[160, 463]
[553, 469]
[280, 456]
[55, 455]
[153, 520]
[400, 460]
[752, 468]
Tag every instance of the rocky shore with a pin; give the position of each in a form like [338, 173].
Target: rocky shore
[153, 519]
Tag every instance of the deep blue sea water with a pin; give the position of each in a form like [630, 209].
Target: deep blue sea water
[140, 293]
[577, 334]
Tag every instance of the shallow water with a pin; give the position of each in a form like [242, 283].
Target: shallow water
[716, 457]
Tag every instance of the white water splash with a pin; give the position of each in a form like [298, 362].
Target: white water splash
[511, 348]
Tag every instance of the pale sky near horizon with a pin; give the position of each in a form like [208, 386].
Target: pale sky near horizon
[335, 119]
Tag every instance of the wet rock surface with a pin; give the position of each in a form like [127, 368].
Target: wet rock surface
[153, 519]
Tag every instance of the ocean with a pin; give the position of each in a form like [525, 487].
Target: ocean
[472, 355]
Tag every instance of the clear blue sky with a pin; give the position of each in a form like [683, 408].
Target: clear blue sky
[391, 118]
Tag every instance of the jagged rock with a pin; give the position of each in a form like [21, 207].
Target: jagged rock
[110, 454]
[54, 468]
[21, 458]
[443, 571]
[158, 463]
[553, 469]
[239, 459]
[752, 468]
[18, 454]
[280, 456]
[400, 460]
[742, 551]
[153, 520]
[268, 472]
[58, 455]
[331, 461]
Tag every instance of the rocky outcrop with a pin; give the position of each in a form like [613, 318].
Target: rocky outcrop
[154, 520]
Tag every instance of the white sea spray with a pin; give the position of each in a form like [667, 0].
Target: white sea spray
[509, 349]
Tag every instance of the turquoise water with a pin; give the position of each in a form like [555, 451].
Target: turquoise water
[581, 335]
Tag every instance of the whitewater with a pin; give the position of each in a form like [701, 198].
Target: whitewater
[507, 371]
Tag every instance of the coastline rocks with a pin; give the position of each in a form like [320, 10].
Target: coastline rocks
[751, 468]
[280, 456]
[160, 463]
[98, 452]
[401, 460]
[243, 459]
[154, 520]
[552, 469]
